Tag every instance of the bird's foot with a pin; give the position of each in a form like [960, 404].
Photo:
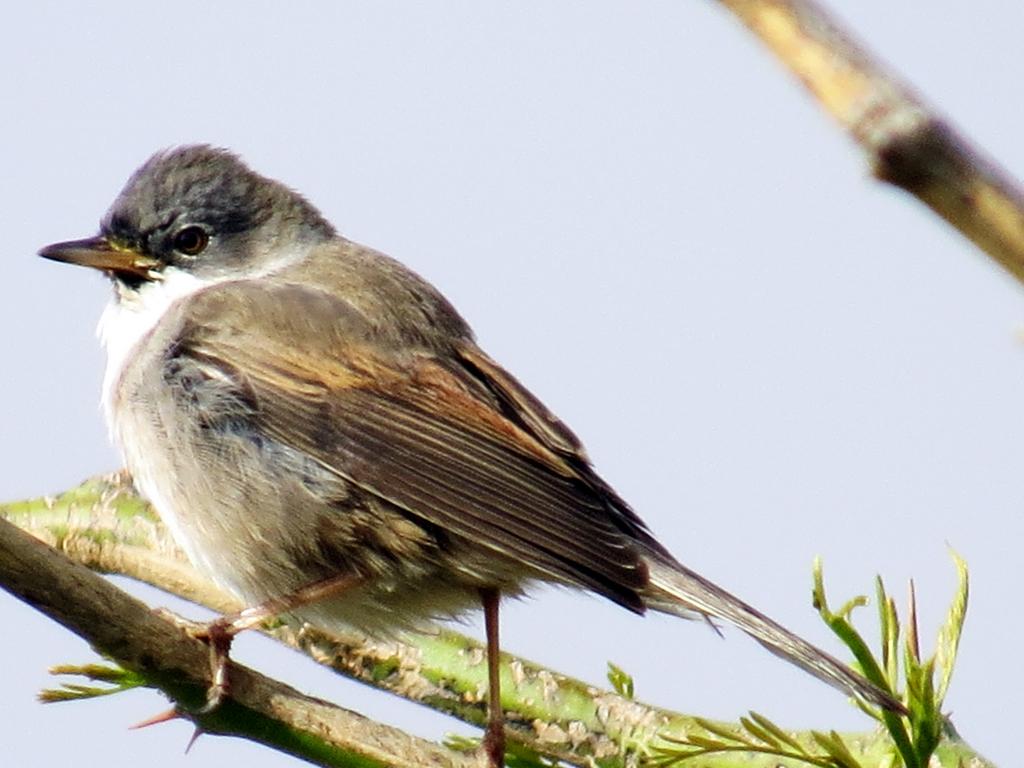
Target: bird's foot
[218, 634]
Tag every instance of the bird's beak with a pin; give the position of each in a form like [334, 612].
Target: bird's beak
[100, 253]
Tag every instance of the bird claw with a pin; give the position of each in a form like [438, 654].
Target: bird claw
[218, 634]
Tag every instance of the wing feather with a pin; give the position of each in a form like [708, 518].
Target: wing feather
[404, 425]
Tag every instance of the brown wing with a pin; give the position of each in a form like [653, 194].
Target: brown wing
[420, 430]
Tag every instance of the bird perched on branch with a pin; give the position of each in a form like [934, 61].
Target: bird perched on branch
[323, 436]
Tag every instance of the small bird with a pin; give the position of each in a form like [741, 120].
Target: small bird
[321, 433]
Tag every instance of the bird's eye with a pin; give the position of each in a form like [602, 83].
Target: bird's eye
[191, 241]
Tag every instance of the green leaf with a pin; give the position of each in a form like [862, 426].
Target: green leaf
[779, 734]
[116, 679]
[845, 631]
[949, 634]
[833, 744]
[722, 731]
[621, 682]
[759, 733]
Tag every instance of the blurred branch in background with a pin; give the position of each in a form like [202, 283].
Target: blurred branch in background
[907, 144]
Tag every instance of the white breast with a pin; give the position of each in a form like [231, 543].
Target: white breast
[126, 324]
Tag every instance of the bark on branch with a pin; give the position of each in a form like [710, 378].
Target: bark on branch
[104, 526]
[264, 710]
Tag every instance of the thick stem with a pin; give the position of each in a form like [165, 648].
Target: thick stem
[125, 629]
[103, 525]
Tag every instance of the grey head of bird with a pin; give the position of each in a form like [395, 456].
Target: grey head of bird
[198, 209]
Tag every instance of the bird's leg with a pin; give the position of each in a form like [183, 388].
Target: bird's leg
[494, 736]
[220, 632]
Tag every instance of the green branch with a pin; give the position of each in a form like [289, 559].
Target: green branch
[104, 526]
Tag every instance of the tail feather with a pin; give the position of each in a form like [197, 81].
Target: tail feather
[676, 590]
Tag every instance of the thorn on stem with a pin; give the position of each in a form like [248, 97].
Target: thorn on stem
[162, 717]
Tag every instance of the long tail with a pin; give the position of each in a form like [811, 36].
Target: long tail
[676, 590]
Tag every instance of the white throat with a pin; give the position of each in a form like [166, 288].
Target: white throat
[130, 317]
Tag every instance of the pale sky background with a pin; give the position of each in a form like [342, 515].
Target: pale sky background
[645, 219]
